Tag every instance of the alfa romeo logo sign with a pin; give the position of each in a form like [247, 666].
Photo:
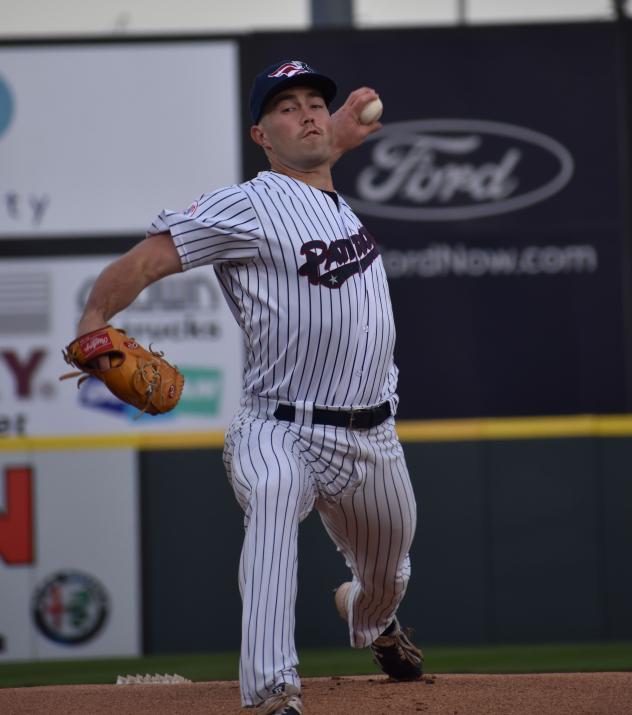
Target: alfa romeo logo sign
[70, 607]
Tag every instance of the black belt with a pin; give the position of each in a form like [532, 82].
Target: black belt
[363, 418]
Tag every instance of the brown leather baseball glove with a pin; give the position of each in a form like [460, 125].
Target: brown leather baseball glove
[140, 377]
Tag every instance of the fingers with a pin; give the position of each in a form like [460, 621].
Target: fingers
[355, 104]
[362, 94]
[360, 97]
[103, 362]
[348, 131]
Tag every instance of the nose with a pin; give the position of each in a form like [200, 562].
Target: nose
[307, 113]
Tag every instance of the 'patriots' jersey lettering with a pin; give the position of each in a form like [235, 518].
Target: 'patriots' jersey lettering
[353, 255]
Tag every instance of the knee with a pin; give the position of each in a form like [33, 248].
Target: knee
[385, 583]
[275, 488]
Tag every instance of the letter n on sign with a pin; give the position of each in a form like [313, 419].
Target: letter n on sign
[16, 522]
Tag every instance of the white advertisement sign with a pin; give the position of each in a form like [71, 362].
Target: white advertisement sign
[98, 139]
[69, 555]
[184, 315]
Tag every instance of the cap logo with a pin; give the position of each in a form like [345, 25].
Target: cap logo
[290, 69]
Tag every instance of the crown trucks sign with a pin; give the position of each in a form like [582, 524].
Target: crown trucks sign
[458, 169]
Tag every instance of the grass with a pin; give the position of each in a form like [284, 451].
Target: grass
[554, 658]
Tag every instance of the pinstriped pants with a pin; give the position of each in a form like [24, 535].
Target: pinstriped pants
[359, 483]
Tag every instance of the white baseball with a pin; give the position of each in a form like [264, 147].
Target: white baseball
[372, 112]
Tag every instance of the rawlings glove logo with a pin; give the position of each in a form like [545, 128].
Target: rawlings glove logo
[94, 344]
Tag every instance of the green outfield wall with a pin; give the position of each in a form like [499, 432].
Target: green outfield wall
[520, 540]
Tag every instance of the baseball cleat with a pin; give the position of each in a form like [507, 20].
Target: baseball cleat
[396, 655]
[393, 651]
[285, 700]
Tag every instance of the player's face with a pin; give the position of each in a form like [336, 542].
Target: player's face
[296, 129]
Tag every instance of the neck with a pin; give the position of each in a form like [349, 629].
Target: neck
[319, 177]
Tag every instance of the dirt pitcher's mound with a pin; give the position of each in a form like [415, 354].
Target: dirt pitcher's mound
[550, 694]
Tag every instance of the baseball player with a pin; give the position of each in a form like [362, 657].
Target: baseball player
[304, 280]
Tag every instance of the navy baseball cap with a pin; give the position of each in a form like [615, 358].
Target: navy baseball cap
[289, 73]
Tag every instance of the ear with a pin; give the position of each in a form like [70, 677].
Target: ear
[258, 136]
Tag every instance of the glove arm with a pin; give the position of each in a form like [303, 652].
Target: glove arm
[121, 281]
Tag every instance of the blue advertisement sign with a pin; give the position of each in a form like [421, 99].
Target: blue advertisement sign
[494, 194]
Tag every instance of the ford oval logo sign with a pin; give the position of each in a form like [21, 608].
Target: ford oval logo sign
[457, 169]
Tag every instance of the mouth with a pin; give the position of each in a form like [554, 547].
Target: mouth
[311, 132]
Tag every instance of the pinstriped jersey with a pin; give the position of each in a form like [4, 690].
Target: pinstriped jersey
[305, 281]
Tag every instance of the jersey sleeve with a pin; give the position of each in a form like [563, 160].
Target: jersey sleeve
[219, 227]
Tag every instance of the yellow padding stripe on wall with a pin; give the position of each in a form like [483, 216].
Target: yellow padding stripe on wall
[408, 430]
[516, 428]
[159, 440]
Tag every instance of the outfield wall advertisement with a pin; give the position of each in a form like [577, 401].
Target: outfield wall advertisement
[98, 139]
[69, 555]
[183, 315]
[494, 194]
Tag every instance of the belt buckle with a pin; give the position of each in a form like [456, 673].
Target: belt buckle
[356, 412]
